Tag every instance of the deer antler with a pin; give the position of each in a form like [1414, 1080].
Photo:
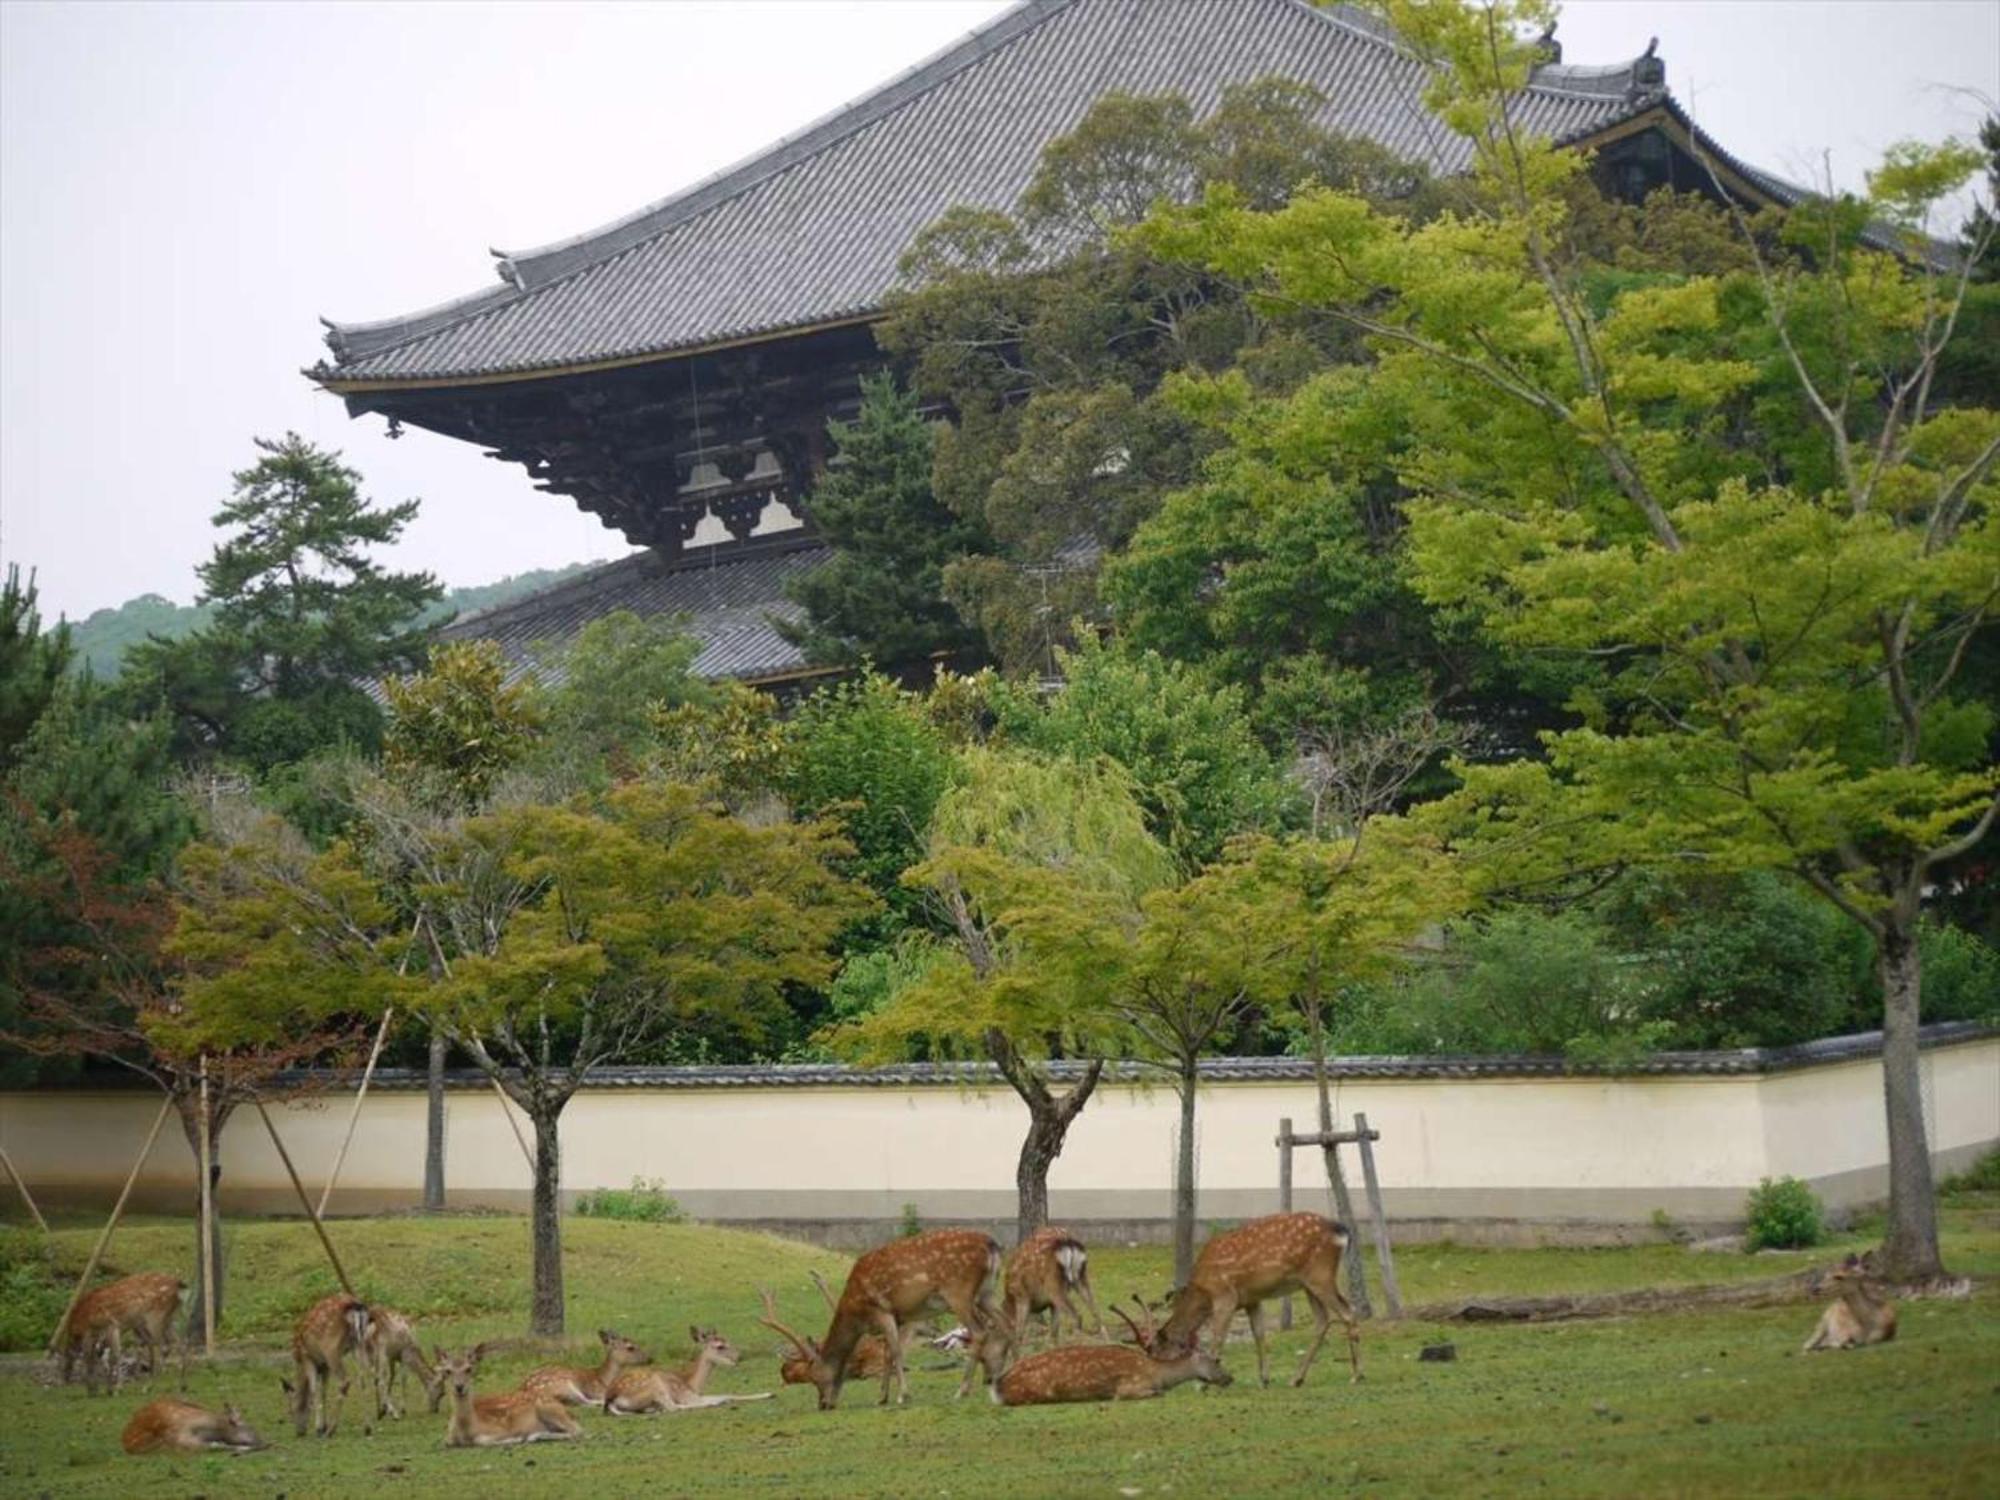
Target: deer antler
[770, 1320]
[1138, 1334]
[832, 1303]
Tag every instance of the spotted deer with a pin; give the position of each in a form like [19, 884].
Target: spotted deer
[866, 1361]
[1244, 1268]
[640, 1391]
[583, 1387]
[497, 1421]
[331, 1329]
[391, 1347]
[890, 1284]
[1041, 1273]
[144, 1305]
[171, 1426]
[1862, 1312]
[1106, 1372]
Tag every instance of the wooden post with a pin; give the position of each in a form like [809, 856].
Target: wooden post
[1357, 1281]
[97, 1250]
[1285, 1199]
[22, 1187]
[1391, 1293]
[305, 1202]
[207, 1201]
[506, 1108]
[354, 1115]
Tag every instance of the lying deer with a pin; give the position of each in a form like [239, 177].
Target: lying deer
[497, 1421]
[1106, 1372]
[144, 1305]
[1041, 1273]
[1266, 1258]
[171, 1426]
[390, 1348]
[584, 1387]
[331, 1329]
[639, 1391]
[1863, 1313]
[891, 1284]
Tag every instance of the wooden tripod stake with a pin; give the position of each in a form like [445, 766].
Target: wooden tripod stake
[1329, 1141]
[207, 1221]
[305, 1202]
[354, 1115]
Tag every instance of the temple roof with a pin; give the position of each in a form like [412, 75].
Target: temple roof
[808, 232]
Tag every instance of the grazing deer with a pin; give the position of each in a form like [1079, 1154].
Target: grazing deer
[1106, 1372]
[1041, 1273]
[171, 1426]
[144, 1304]
[866, 1361]
[331, 1329]
[391, 1347]
[581, 1387]
[639, 1391]
[497, 1421]
[1266, 1258]
[890, 1284]
[1863, 1313]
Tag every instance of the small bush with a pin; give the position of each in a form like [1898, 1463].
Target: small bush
[646, 1201]
[912, 1226]
[31, 1295]
[1783, 1215]
[1983, 1176]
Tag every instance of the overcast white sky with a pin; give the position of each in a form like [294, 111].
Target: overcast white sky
[185, 187]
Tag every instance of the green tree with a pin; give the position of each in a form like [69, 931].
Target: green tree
[1738, 490]
[459, 725]
[611, 684]
[32, 664]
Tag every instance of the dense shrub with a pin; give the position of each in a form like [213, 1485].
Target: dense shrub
[1782, 1215]
[646, 1201]
[1983, 1176]
[1961, 975]
[32, 1296]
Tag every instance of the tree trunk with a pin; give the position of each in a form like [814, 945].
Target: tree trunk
[434, 1125]
[190, 1113]
[1910, 1250]
[1357, 1280]
[1049, 1119]
[1184, 1177]
[546, 1316]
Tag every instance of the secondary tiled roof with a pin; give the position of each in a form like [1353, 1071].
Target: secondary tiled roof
[809, 231]
[728, 601]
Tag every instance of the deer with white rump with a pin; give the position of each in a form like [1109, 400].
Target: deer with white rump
[1246, 1267]
[331, 1329]
[1043, 1271]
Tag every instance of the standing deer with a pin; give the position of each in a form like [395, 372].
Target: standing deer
[893, 1282]
[391, 1347]
[1041, 1273]
[639, 1391]
[866, 1361]
[584, 1387]
[497, 1421]
[1266, 1258]
[144, 1305]
[331, 1329]
[1106, 1372]
[171, 1426]
[1863, 1313]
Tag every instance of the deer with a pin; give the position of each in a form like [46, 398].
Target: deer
[497, 1421]
[144, 1304]
[390, 1348]
[1862, 1312]
[330, 1330]
[640, 1391]
[172, 1426]
[584, 1387]
[1107, 1372]
[1041, 1273]
[868, 1359]
[1268, 1257]
[893, 1282]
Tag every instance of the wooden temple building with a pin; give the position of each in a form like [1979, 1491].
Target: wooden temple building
[673, 372]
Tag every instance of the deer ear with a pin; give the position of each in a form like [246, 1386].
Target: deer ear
[694, 1333]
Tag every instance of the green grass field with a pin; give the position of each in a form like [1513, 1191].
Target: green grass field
[1717, 1402]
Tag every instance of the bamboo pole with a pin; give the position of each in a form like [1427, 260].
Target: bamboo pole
[354, 1115]
[306, 1202]
[207, 1222]
[97, 1250]
[1391, 1292]
[21, 1185]
[1285, 1199]
[527, 1155]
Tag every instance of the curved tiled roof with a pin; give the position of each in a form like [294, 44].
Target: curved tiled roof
[809, 231]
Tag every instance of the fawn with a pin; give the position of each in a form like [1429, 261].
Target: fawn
[1266, 1258]
[582, 1387]
[171, 1426]
[1106, 1372]
[1863, 1313]
[639, 1391]
[144, 1304]
[390, 1348]
[330, 1330]
[497, 1421]
[1041, 1273]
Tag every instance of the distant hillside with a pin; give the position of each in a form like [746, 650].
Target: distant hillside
[104, 637]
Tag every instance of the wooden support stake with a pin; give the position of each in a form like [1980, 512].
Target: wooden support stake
[21, 1186]
[97, 1250]
[506, 1108]
[354, 1115]
[207, 1223]
[305, 1202]
[1285, 1199]
[1357, 1281]
[1391, 1293]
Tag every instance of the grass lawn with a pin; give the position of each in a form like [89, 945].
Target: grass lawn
[1718, 1402]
